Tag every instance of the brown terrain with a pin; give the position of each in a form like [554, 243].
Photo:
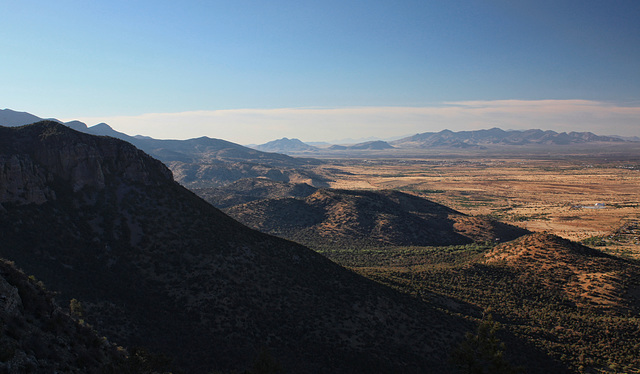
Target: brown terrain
[584, 275]
[368, 218]
[557, 196]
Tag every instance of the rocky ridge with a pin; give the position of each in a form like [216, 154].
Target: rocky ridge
[36, 335]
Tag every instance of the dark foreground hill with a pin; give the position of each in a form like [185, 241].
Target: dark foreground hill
[37, 336]
[155, 266]
[346, 217]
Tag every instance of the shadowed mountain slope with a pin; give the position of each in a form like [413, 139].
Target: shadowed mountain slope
[37, 336]
[368, 218]
[251, 189]
[156, 266]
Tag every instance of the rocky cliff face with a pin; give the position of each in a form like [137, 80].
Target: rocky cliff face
[39, 157]
[22, 182]
[37, 336]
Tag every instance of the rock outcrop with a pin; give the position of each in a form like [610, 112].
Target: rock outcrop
[37, 336]
[50, 154]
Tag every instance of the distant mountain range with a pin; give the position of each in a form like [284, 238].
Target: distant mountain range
[200, 162]
[10, 117]
[297, 147]
[375, 145]
[496, 136]
[453, 140]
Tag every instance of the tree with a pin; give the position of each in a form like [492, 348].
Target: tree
[76, 309]
[482, 352]
[265, 364]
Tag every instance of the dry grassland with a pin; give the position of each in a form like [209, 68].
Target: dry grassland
[557, 196]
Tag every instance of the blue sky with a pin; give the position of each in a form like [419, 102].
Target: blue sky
[253, 71]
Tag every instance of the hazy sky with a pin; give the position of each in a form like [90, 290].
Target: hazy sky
[254, 71]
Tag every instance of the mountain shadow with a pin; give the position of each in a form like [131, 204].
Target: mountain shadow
[252, 189]
[38, 336]
[156, 266]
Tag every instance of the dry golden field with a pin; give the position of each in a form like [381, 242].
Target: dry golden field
[556, 196]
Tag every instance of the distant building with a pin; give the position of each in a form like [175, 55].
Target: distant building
[594, 206]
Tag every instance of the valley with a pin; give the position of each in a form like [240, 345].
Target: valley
[556, 195]
[552, 296]
[374, 261]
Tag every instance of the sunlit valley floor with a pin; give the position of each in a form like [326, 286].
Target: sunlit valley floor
[558, 196]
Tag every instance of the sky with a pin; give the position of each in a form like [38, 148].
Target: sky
[254, 71]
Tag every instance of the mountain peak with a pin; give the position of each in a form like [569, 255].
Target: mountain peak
[77, 125]
[285, 145]
[10, 117]
[102, 125]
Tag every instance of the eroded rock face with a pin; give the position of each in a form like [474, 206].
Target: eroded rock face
[37, 336]
[32, 167]
[22, 182]
[10, 302]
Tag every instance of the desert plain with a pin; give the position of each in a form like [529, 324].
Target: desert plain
[590, 194]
